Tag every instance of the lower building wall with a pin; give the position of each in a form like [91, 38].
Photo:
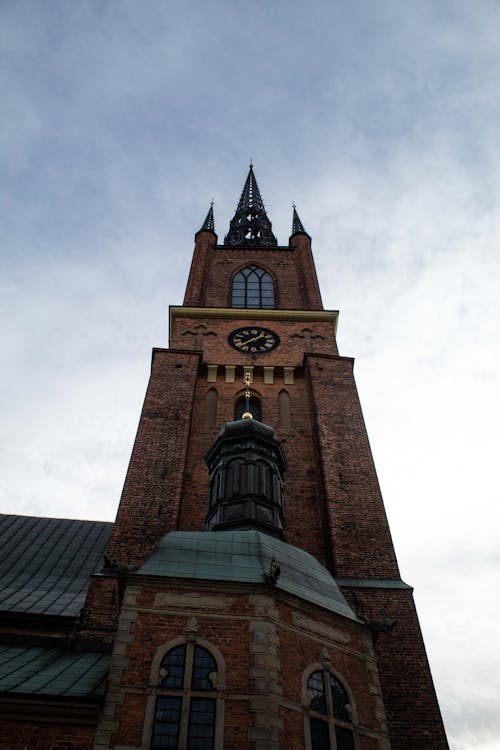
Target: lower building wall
[266, 645]
[39, 735]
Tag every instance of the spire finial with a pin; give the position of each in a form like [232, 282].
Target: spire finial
[250, 224]
[297, 226]
[247, 414]
[209, 224]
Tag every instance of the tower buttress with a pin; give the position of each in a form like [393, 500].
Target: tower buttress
[205, 238]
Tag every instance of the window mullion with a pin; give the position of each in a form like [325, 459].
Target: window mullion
[329, 710]
[188, 672]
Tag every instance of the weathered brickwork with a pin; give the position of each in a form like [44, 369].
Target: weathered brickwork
[292, 267]
[268, 641]
[99, 618]
[42, 735]
[150, 503]
[413, 713]
[211, 335]
[360, 534]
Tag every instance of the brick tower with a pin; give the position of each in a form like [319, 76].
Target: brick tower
[251, 590]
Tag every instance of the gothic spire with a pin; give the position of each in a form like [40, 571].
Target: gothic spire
[208, 225]
[297, 226]
[250, 224]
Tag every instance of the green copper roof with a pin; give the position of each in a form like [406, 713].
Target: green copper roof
[244, 556]
[52, 671]
[45, 563]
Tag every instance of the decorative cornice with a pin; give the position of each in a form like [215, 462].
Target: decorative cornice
[254, 313]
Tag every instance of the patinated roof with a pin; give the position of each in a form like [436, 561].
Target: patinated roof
[45, 563]
[245, 556]
[50, 671]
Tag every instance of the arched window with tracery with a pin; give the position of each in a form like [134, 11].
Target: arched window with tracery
[187, 709]
[253, 287]
[330, 713]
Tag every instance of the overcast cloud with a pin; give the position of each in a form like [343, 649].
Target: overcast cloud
[121, 120]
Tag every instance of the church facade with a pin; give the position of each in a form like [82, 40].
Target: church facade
[248, 594]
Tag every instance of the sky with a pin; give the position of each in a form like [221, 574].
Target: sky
[120, 121]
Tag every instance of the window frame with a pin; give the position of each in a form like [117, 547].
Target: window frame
[254, 267]
[186, 692]
[284, 410]
[329, 719]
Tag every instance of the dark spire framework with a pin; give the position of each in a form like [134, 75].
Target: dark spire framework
[250, 225]
[208, 225]
[297, 226]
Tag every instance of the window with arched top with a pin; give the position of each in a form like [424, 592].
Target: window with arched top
[240, 407]
[253, 287]
[211, 398]
[284, 410]
[330, 713]
[188, 704]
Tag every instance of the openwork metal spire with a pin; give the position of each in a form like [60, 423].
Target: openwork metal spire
[250, 225]
[297, 225]
[208, 225]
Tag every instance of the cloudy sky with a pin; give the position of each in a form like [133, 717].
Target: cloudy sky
[119, 121]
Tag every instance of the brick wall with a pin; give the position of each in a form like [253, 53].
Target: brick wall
[413, 713]
[149, 505]
[211, 336]
[39, 735]
[360, 536]
[267, 639]
[213, 267]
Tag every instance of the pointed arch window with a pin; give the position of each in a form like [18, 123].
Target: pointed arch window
[330, 713]
[185, 712]
[253, 287]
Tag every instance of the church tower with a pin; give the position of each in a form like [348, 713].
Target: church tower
[251, 590]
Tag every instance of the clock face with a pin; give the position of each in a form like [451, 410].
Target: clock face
[254, 340]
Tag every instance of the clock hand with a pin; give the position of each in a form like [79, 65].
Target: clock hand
[255, 338]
